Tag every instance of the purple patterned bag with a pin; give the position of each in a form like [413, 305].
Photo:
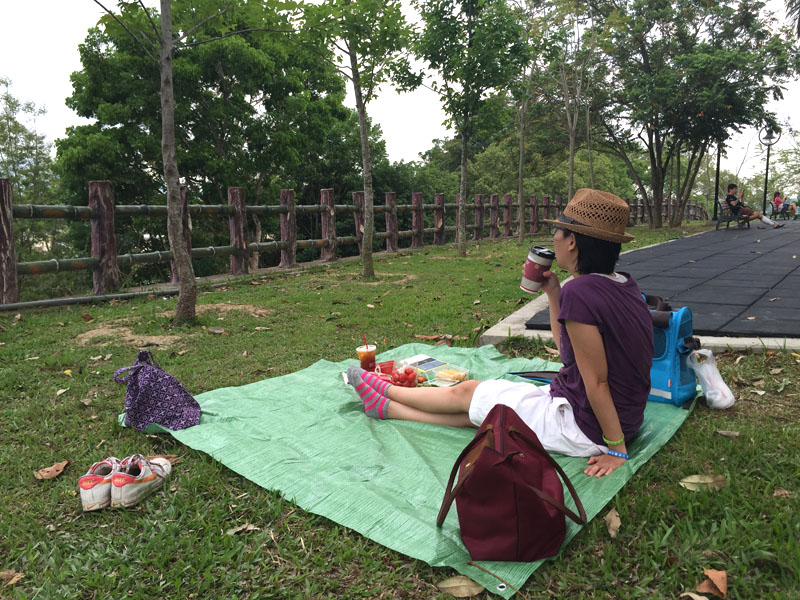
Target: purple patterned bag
[155, 396]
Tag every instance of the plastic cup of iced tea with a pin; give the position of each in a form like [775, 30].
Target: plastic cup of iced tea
[366, 354]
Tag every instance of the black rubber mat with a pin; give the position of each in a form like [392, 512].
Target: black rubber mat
[738, 282]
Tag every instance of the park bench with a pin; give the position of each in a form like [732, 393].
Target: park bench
[724, 215]
[782, 213]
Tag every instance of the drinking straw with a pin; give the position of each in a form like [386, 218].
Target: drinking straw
[365, 339]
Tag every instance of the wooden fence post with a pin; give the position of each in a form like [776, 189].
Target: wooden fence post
[438, 219]
[9, 284]
[417, 222]
[533, 226]
[105, 276]
[328, 223]
[236, 227]
[186, 229]
[546, 207]
[288, 230]
[507, 215]
[494, 210]
[391, 221]
[559, 206]
[478, 233]
[358, 217]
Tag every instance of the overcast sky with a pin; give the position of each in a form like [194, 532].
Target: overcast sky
[40, 67]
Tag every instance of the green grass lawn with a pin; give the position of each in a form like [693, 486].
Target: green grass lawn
[58, 402]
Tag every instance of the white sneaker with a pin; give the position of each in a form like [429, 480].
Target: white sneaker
[95, 486]
[136, 478]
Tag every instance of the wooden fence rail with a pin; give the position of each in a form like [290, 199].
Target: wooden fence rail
[503, 218]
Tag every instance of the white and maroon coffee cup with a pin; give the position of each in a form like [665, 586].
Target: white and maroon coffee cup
[539, 261]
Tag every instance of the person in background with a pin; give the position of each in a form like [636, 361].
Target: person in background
[603, 331]
[734, 202]
[776, 202]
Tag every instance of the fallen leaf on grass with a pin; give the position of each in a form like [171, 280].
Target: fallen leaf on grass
[86, 401]
[17, 317]
[59, 392]
[244, 353]
[51, 471]
[100, 444]
[218, 331]
[427, 337]
[460, 586]
[181, 352]
[782, 386]
[10, 577]
[476, 302]
[705, 481]
[370, 306]
[730, 434]
[777, 371]
[107, 356]
[693, 596]
[759, 392]
[262, 328]
[551, 350]
[32, 358]
[87, 317]
[759, 383]
[781, 493]
[612, 522]
[717, 583]
[445, 342]
[246, 528]
[98, 357]
[255, 283]
[739, 359]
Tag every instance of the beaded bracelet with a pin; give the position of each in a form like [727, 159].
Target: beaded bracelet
[610, 443]
[618, 454]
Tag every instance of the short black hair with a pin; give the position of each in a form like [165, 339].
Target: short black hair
[732, 186]
[595, 255]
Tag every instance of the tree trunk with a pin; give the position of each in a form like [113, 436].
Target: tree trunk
[367, 267]
[187, 297]
[523, 109]
[589, 145]
[461, 221]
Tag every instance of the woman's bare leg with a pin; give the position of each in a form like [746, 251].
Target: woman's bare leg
[449, 400]
[395, 410]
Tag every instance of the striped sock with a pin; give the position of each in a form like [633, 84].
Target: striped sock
[376, 383]
[375, 403]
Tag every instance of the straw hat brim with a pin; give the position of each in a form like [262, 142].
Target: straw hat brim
[592, 231]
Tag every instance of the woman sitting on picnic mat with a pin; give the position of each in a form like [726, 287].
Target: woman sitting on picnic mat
[597, 400]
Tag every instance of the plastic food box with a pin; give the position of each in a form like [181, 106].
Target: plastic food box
[437, 372]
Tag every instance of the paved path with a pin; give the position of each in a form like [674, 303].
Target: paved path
[738, 283]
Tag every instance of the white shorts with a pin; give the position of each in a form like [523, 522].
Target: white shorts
[550, 418]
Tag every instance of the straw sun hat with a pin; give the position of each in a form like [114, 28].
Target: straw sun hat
[597, 214]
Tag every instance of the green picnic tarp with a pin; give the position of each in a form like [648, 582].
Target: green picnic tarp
[305, 435]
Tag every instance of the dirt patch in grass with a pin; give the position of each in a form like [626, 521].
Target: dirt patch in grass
[201, 309]
[404, 279]
[107, 334]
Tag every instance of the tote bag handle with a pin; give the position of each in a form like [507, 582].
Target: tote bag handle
[450, 493]
[581, 520]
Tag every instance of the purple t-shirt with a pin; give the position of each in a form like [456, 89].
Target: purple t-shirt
[623, 319]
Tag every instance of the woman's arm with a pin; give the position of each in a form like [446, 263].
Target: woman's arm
[590, 356]
[552, 287]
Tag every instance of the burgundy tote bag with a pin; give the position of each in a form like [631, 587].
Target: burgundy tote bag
[509, 498]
